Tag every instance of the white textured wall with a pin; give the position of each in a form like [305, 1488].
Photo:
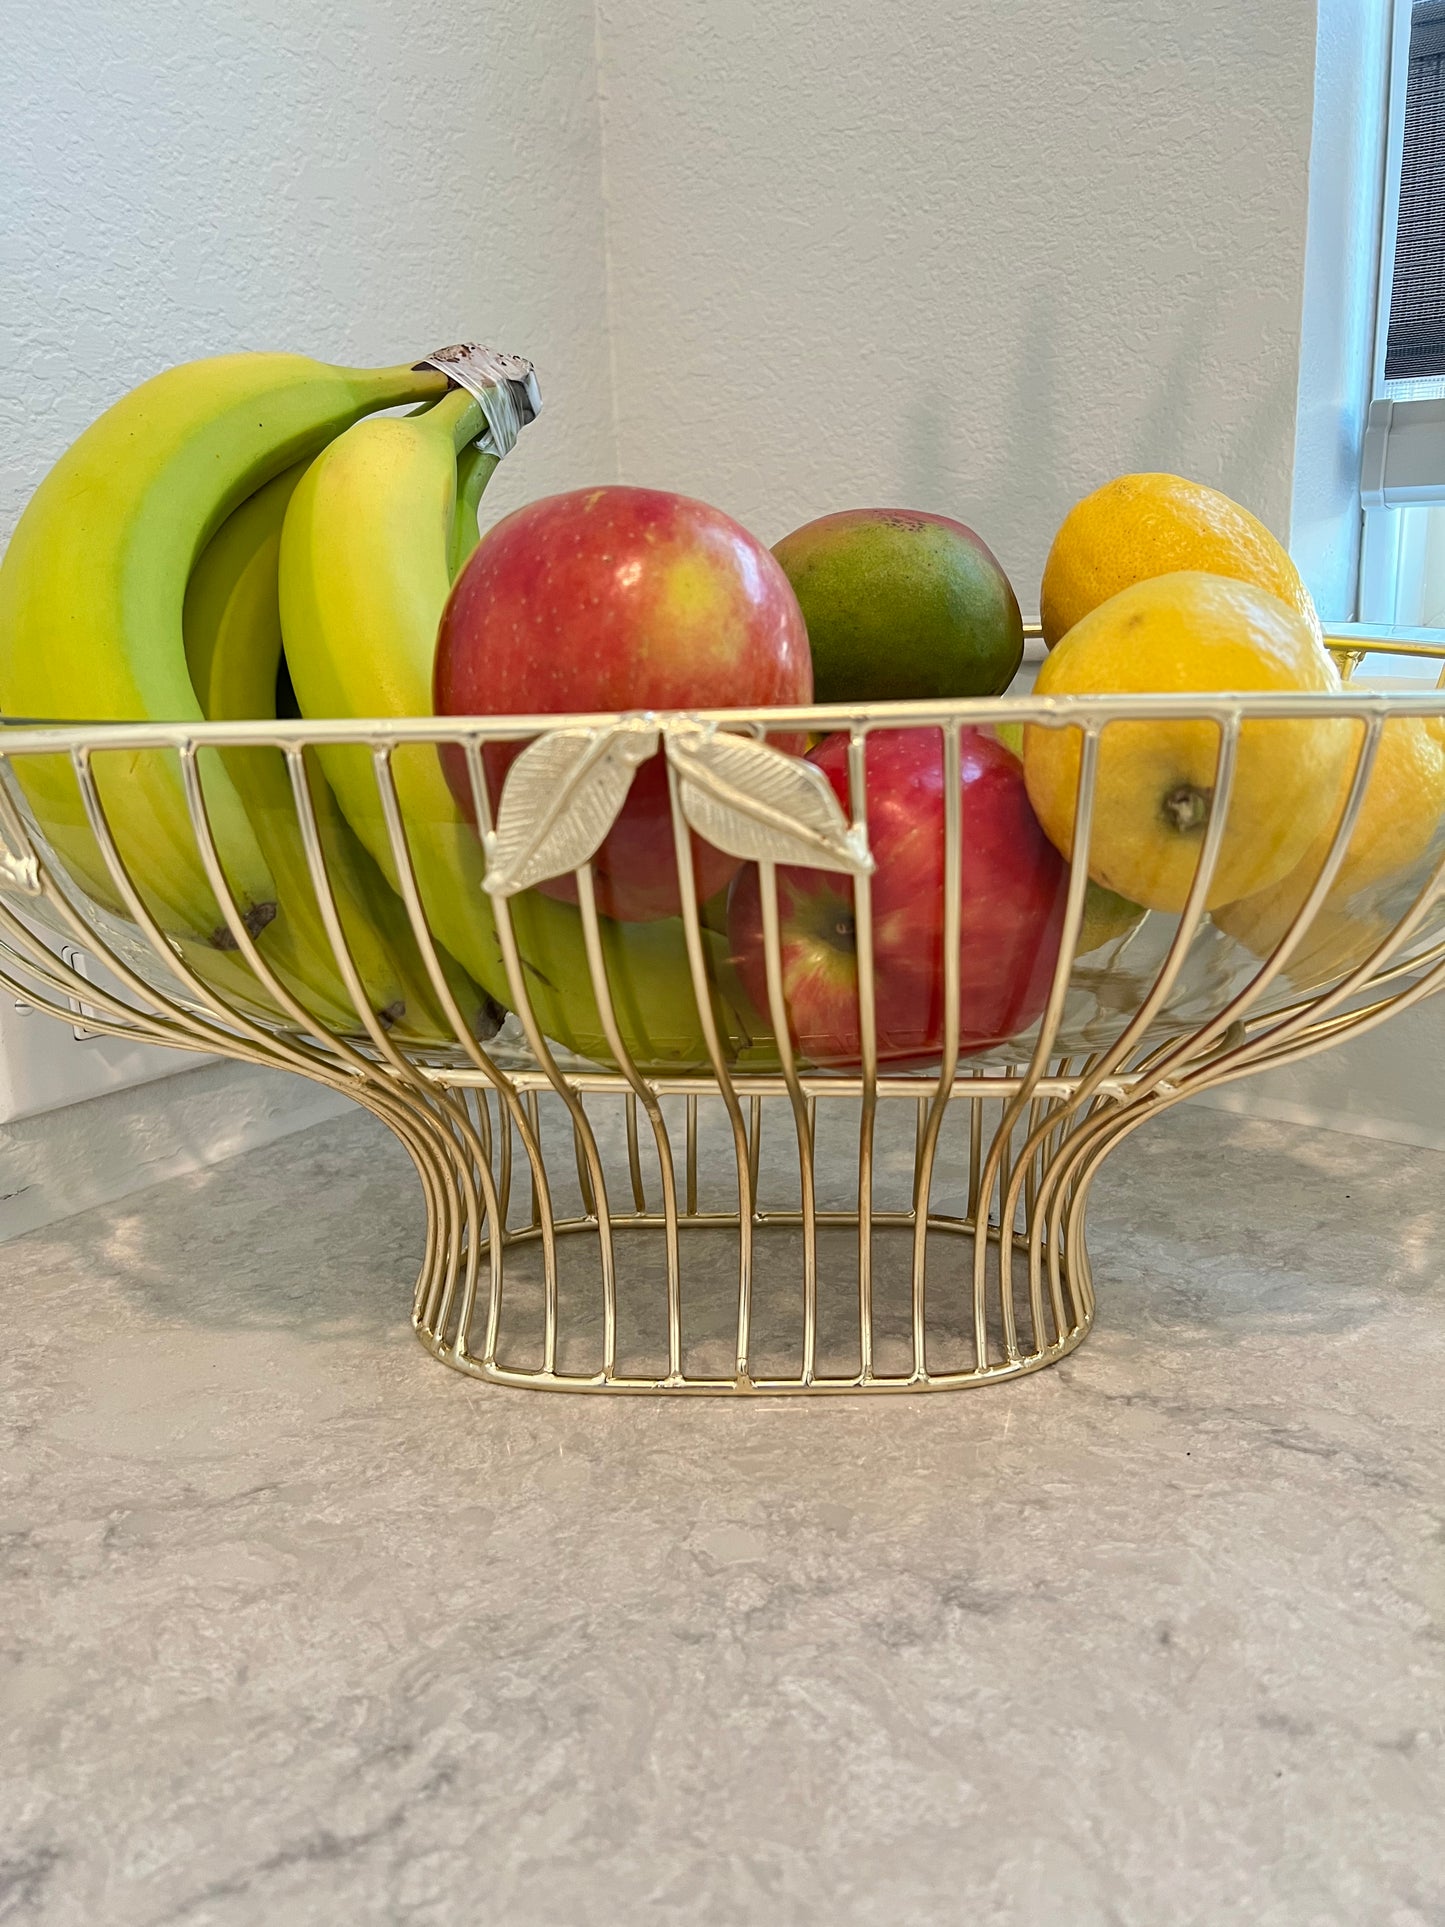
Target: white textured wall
[969, 258]
[62, 1162]
[362, 180]
[980, 258]
[1385, 1084]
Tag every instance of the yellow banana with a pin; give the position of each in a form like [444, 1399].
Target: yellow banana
[91, 593]
[229, 607]
[365, 557]
[232, 628]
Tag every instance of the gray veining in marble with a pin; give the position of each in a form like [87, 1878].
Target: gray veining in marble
[298, 1627]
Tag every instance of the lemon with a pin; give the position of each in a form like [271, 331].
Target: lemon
[1399, 820]
[1154, 792]
[1146, 525]
[1336, 941]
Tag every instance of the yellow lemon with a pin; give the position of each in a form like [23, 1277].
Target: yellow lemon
[1146, 525]
[1179, 634]
[1399, 821]
[1336, 941]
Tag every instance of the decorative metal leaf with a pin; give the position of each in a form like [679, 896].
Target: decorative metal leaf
[758, 803]
[561, 797]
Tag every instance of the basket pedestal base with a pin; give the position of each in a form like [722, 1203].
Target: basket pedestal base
[561, 1258]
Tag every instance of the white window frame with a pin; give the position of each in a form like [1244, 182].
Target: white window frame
[1341, 296]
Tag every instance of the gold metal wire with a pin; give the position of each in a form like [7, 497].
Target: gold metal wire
[892, 1289]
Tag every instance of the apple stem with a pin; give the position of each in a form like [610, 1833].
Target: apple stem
[1186, 808]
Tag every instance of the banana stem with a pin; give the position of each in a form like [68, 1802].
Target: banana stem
[462, 413]
[474, 471]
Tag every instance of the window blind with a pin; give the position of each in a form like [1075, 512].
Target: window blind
[1415, 343]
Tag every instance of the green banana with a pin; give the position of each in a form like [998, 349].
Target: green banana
[232, 627]
[91, 593]
[365, 559]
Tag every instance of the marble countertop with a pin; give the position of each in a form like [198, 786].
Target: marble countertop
[297, 1626]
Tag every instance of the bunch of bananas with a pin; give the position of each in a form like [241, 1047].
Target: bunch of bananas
[239, 530]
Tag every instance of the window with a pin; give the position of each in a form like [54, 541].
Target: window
[1414, 314]
[1402, 472]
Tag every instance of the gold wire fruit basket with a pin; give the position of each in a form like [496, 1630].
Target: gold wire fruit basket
[863, 1226]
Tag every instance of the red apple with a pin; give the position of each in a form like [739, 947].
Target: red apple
[1014, 883]
[620, 598]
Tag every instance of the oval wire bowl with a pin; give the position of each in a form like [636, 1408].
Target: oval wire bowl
[869, 1227]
